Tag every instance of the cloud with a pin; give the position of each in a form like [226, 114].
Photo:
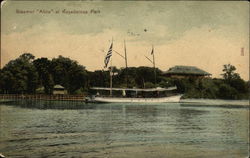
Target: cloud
[176, 17]
[201, 47]
[206, 35]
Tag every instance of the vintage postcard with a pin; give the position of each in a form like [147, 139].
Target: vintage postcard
[124, 79]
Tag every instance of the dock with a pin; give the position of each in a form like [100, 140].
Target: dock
[5, 98]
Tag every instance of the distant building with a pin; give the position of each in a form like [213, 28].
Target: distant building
[186, 71]
[58, 89]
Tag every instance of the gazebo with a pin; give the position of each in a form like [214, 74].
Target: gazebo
[58, 89]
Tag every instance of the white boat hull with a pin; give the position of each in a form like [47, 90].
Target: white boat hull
[175, 98]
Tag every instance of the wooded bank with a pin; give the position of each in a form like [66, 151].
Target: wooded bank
[26, 75]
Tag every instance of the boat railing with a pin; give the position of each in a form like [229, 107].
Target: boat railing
[137, 96]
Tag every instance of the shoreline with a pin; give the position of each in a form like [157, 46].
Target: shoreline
[183, 102]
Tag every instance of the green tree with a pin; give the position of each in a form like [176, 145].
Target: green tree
[183, 85]
[68, 73]
[207, 88]
[6, 81]
[227, 92]
[233, 79]
[229, 72]
[19, 75]
[43, 67]
[98, 78]
[130, 73]
[77, 78]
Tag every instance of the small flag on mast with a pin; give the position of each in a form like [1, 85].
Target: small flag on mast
[152, 52]
[109, 54]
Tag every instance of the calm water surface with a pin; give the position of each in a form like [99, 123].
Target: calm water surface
[66, 129]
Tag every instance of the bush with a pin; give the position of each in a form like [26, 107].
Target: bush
[183, 85]
[208, 88]
[228, 92]
[149, 85]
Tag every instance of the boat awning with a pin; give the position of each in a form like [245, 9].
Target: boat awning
[135, 89]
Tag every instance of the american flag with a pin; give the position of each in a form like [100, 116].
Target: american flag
[109, 54]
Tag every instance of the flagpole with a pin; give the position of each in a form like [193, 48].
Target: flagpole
[106, 61]
[111, 78]
[111, 74]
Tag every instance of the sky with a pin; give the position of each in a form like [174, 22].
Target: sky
[204, 34]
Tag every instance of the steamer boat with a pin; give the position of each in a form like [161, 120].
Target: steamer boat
[132, 95]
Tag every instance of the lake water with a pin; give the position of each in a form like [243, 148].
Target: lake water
[67, 129]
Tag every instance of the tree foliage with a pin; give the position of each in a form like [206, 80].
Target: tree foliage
[26, 74]
[43, 67]
[19, 75]
[229, 72]
[230, 87]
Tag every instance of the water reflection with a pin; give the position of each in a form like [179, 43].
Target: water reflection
[191, 119]
[213, 104]
[144, 111]
[43, 104]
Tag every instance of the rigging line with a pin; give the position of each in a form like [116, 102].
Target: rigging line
[119, 54]
[116, 53]
[149, 59]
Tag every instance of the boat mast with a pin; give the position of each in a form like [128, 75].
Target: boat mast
[0, 59]
[154, 63]
[126, 63]
[111, 74]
